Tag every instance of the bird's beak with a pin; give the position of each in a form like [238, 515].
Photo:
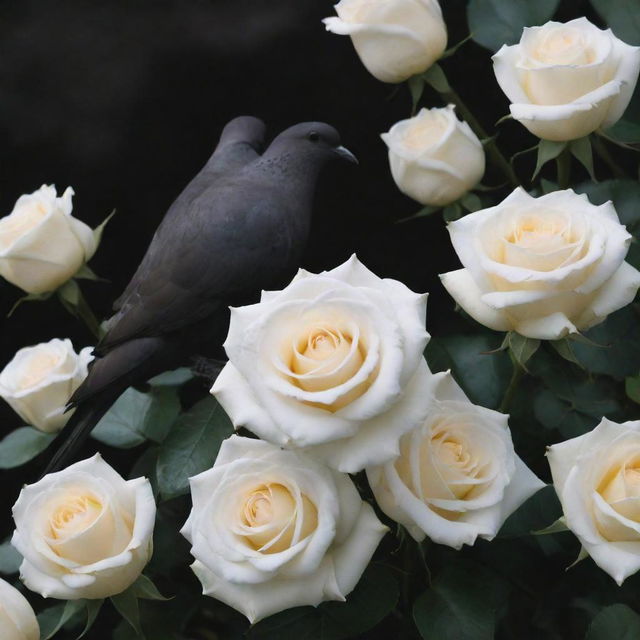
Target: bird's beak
[345, 154]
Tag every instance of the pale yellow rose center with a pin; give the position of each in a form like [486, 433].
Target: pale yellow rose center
[542, 235]
[426, 131]
[74, 515]
[563, 46]
[20, 222]
[454, 462]
[38, 367]
[273, 520]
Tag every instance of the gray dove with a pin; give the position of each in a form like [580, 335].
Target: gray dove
[240, 226]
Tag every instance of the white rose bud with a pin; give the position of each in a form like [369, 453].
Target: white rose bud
[395, 39]
[457, 476]
[597, 479]
[567, 80]
[332, 363]
[435, 159]
[41, 244]
[273, 529]
[17, 619]
[84, 532]
[39, 381]
[544, 267]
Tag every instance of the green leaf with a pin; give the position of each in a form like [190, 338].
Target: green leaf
[10, 558]
[497, 22]
[192, 446]
[547, 151]
[23, 445]
[617, 621]
[97, 232]
[93, 609]
[451, 51]
[371, 601]
[559, 526]
[622, 16]
[484, 376]
[86, 273]
[436, 78]
[425, 211]
[565, 350]
[144, 588]
[462, 604]
[522, 348]
[625, 195]
[136, 417]
[471, 202]
[632, 388]
[581, 150]
[51, 620]
[541, 509]
[32, 297]
[452, 212]
[173, 378]
[416, 88]
[126, 604]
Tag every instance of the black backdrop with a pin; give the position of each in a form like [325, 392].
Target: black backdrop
[124, 100]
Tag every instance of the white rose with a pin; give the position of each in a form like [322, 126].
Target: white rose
[39, 381]
[17, 619]
[84, 532]
[597, 478]
[395, 39]
[543, 267]
[457, 476]
[273, 529]
[567, 80]
[434, 158]
[41, 244]
[332, 363]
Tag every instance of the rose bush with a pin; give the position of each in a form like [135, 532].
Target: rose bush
[434, 158]
[41, 244]
[566, 80]
[273, 529]
[17, 619]
[457, 476]
[544, 267]
[84, 532]
[39, 381]
[332, 364]
[597, 478]
[395, 39]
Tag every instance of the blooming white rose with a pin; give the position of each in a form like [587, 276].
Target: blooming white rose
[457, 476]
[39, 381]
[332, 363]
[543, 267]
[597, 478]
[567, 80]
[17, 619]
[84, 532]
[41, 244]
[434, 158]
[395, 39]
[273, 529]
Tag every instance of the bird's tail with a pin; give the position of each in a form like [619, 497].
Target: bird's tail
[127, 364]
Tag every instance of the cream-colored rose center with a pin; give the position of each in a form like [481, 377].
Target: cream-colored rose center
[455, 462]
[563, 46]
[76, 514]
[620, 488]
[425, 132]
[19, 222]
[38, 367]
[540, 234]
[273, 519]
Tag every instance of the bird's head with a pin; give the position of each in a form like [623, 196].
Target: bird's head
[317, 141]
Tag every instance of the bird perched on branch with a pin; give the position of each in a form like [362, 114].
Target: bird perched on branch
[239, 226]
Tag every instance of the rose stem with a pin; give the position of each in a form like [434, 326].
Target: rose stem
[603, 152]
[563, 162]
[451, 96]
[517, 374]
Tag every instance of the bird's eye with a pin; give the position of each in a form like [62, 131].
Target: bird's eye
[314, 136]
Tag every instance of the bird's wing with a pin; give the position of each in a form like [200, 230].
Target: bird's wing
[241, 145]
[233, 239]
